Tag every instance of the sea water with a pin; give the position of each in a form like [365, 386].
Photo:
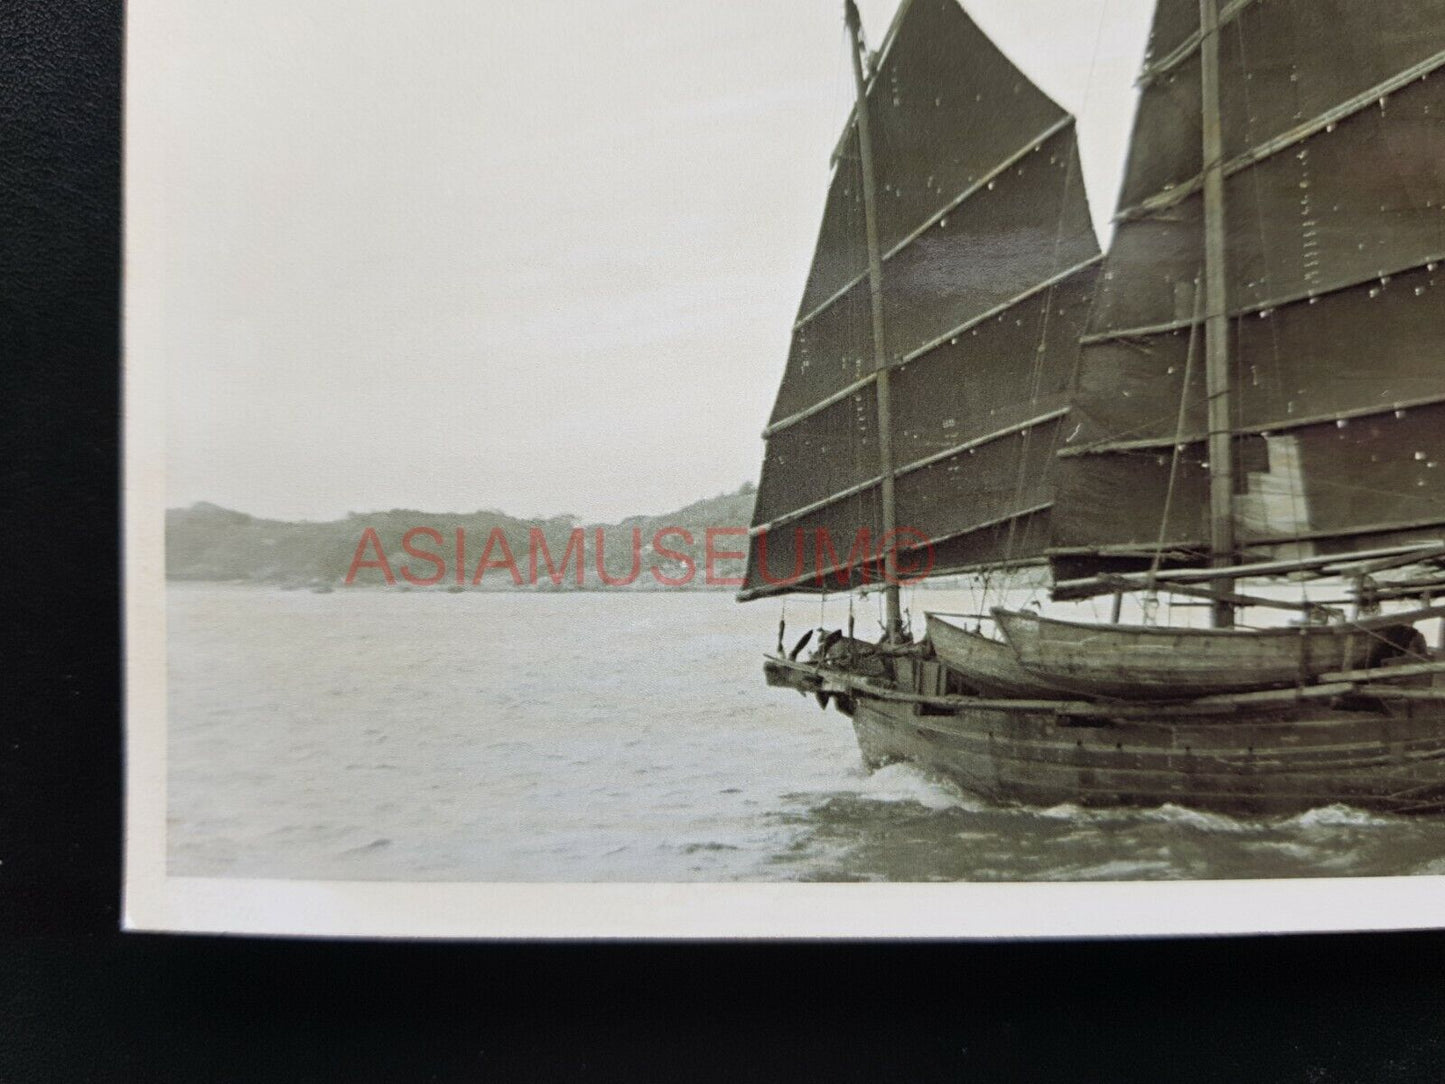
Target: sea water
[388, 735]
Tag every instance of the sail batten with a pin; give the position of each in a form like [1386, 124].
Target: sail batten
[1002, 521]
[1333, 130]
[1185, 551]
[918, 465]
[1195, 436]
[1359, 202]
[1033, 227]
[987, 277]
[1177, 193]
[1005, 306]
[859, 385]
[1371, 349]
[817, 506]
[927, 348]
[1289, 70]
[1029, 147]
[988, 438]
[1255, 308]
[947, 109]
[1186, 48]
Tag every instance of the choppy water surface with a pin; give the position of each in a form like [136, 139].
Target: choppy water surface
[613, 737]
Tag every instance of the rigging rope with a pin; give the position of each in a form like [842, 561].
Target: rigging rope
[1036, 373]
[1151, 580]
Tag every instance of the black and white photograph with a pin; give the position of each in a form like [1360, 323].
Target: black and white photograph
[831, 468]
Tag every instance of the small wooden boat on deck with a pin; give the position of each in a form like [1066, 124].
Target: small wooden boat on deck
[1137, 662]
[987, 665]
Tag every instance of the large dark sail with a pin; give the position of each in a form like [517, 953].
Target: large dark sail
[1333, 119]
[988, 272]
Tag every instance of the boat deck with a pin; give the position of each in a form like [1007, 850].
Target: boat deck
[1364, 738]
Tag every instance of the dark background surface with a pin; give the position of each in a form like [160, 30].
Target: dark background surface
[81, 1001]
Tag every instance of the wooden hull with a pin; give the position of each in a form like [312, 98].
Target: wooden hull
[1275, 762]
[989, 666]
[1144, 663]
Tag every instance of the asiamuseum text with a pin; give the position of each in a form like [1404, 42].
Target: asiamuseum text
[671, 557]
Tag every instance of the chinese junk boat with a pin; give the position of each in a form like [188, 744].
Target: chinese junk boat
[1242, 401]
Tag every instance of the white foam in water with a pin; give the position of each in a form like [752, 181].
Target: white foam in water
[1332, 816]
[1196, 818]
[905, 782]
[1338, 816]
[1169, 814]
[1077, 814]
[1301, 851]
[1068, 811]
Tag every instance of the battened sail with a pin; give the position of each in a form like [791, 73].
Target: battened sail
[989, 267]
[1333, 121]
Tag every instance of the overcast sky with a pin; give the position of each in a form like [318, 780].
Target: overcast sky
[540, 256]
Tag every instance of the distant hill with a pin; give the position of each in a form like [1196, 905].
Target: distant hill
[209, 543]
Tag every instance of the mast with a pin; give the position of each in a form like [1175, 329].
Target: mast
[894, 610]
[1216, 326]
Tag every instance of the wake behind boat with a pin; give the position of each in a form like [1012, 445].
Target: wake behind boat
[1249, 387]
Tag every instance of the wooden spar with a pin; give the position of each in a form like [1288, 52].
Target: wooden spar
[1363, 682]
[979, 185]
[1069, 590]
[1407, 693]
[1186, 48]
[1282, 425]
[909, 468]
[1294, 136]
[1234, 598]
[1419, 669]
[1390, 592]
[821, 405]
[894, 609]
[862, 383]
[1385, 564]
[1001, 308]
[1216, 319]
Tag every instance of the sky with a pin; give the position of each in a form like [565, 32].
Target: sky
[535, 256]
